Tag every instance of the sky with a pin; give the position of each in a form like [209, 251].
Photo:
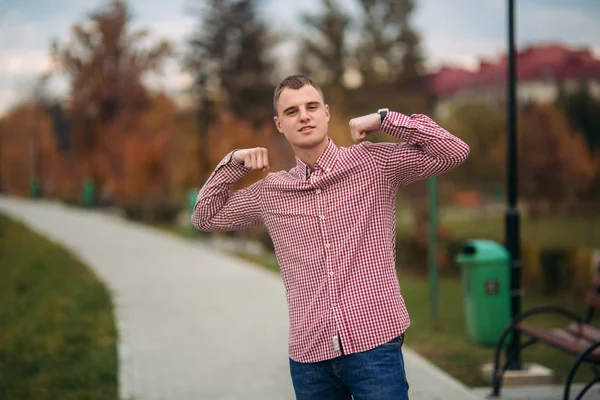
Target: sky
[455, 32]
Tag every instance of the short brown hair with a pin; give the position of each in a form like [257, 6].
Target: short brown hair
[294, 82]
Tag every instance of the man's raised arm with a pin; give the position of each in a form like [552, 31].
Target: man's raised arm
[218, 210]
[427, 149]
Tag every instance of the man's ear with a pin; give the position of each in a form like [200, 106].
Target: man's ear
[277, 124]
[327, 111]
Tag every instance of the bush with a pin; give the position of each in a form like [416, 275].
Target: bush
[134, 212]
[412, 254]
[546, 270]
[261, 235]
[160, 212]
[166, 213]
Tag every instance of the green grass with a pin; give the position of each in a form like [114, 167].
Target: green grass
[58, 336]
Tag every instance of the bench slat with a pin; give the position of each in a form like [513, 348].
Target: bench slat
[561, 339]
[584, 330]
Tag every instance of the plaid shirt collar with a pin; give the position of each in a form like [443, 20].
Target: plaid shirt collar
[325, 162]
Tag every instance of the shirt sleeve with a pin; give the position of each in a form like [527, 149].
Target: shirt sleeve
[218, 210]
[426, 149]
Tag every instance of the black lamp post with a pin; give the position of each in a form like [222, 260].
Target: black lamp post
[512, 227]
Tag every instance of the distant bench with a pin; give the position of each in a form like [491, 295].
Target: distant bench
[580, 338]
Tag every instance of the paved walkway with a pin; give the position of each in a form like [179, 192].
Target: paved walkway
[193, 323]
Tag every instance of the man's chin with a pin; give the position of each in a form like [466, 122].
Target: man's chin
[308, 144]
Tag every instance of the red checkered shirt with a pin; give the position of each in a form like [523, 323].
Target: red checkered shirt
[333, 230]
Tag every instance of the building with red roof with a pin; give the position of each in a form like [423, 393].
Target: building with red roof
[540, 70]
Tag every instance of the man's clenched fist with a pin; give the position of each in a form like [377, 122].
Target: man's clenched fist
[256, 158]
[362, 126]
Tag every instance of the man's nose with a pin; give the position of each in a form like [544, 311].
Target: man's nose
[304, 114]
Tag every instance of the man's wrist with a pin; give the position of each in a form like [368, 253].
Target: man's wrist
[383, 112]
[233, 159]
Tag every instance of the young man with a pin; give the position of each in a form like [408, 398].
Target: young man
[332, 222]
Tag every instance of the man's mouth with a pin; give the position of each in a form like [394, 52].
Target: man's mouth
[307, 128]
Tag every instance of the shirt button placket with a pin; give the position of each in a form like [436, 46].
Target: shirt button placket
[328, 264]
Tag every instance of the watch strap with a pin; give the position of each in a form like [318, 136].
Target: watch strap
[383, 113]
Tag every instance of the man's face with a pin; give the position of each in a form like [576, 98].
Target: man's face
[302, 117]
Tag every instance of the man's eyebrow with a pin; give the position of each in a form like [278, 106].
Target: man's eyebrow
[289, 109]
[310, 103]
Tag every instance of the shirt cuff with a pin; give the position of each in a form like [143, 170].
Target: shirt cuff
[395, 124]
[231, 169]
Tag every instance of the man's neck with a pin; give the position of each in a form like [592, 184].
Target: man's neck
[310, 156]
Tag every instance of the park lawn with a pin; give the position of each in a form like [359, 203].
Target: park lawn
[562, 232]
[58, 337]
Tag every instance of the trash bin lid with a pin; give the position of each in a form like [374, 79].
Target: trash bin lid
[482, 250]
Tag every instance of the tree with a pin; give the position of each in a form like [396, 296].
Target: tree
[28, 150]
[324, 54]
[148, 159]
[582, 110]
[555, 165]
[484, 129]
[106, 64]
[389, 49]
[228, 54]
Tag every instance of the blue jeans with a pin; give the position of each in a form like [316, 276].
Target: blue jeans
[377, 374]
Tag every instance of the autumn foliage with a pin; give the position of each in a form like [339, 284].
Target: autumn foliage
[139, 147]
[555, 164]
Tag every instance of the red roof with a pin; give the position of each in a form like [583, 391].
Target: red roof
[534, 63]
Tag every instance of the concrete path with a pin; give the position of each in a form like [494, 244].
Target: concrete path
[194, 323]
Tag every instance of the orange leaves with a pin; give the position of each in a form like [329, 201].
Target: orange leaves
[554, 162]
[229, 133]
[27, 148]
[146, 154]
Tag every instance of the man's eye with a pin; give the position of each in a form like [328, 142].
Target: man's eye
[291, 112]
[312, 107]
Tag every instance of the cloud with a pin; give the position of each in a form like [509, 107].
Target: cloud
[23, 63]
[569, 25]
[8, 97]
[462, 51]
[459, 36]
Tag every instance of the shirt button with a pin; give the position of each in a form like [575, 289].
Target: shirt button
[318, 191]
[331, 273]
[322, 217]
[327, 245]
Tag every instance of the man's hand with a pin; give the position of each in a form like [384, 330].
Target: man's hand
[256, 158]
[362, 126]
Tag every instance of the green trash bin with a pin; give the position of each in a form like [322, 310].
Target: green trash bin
[191, 197]
[485, 275]
[88, 193]
[35, 189]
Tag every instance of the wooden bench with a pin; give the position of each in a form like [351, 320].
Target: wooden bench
[578, 338]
